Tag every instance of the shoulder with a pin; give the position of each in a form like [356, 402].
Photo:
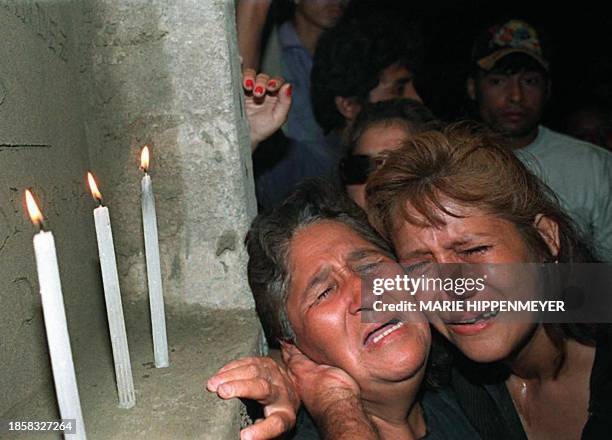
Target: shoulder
[567, 145]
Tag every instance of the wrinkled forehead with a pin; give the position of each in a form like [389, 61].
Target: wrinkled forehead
[327, 240]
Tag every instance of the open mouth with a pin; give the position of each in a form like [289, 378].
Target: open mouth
[482, 317]
[380, 332]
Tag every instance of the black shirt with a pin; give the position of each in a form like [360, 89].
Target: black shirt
[483, 396]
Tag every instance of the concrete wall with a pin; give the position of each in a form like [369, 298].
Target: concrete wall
[165, 73]
[83, 85]
[42, 146]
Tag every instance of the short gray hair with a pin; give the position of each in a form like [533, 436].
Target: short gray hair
[269, 239]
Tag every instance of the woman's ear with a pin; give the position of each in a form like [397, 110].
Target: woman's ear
[549, 231]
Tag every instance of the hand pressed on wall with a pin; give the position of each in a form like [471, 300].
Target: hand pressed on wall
[264, 380]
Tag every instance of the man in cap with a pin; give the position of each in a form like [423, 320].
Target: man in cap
[510, 83]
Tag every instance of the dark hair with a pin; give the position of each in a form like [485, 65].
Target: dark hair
[349, 59]
[269, 239]
[467, 163]
[411, 114]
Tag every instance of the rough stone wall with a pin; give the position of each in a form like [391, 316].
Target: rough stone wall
[165, 73]
[83, 85]
[42, 146]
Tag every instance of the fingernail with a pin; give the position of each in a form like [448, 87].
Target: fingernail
[271, 83]
[259, 90]
[289, 90]
[225, 390]
[248, 83]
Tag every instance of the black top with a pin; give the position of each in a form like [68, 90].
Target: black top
[483, 396]
[443, 418]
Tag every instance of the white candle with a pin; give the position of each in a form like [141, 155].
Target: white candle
[55, 324]
[112, 297]
[156, 295]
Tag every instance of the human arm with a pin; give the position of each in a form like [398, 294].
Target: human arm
[251, 18]
[267, 103]
[331, 396]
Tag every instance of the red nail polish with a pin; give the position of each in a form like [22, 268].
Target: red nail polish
[249, 83]
[271, 83]
[259, 90]
[289, 90]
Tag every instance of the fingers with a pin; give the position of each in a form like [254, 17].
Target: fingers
[274, 84]
[260, 83]
[251, 360]
[248, 79]
[247, 368]
[291, 353]
[271, 427]
[284, 102]
[256, 389]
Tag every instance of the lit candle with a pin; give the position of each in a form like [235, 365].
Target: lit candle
[156, 295]
[112, 297]
[55, 322]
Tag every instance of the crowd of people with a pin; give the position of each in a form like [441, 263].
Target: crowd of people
[355, 176]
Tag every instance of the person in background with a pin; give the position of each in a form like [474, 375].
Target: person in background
[368, 58]
[288, 52]
[251, 16]
[380, 127]
[591, 123]
[510, 84]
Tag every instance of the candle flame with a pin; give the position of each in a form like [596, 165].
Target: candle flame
[95, 192]
[33, 210]
[144, 159]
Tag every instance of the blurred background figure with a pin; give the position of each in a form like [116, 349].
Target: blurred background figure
[510, 84]
[289, 49]
[369, 56]
[591, 123]
[380, 128]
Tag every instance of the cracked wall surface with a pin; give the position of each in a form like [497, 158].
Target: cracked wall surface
[166, 74]
[42, 146]
[83, 85]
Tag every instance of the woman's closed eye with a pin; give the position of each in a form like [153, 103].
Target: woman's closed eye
[414, 266]
[369, 267]
[476, 250]
[328, 290]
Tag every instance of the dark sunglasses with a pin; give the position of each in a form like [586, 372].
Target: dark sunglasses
[355, 169]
